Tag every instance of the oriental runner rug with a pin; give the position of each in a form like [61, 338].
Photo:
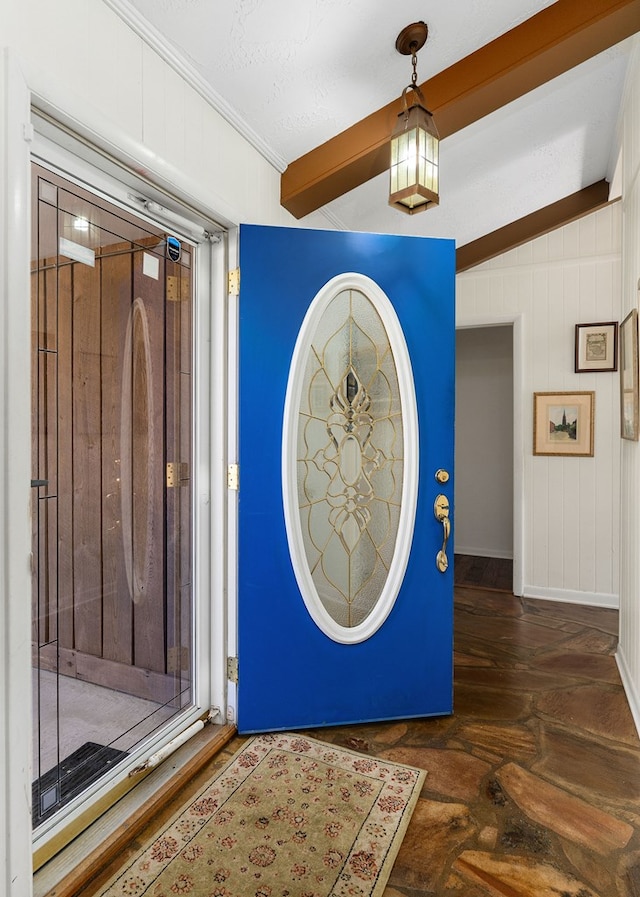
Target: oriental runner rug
[288, 816]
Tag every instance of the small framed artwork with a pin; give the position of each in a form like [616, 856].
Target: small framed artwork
[563, 423]
[629, 376]
[596, 347]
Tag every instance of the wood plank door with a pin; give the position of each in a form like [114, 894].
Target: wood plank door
[112, 386]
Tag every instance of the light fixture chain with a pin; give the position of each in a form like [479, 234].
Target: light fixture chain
[414, 63]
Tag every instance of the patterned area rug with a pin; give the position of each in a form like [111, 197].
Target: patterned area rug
[288, 816]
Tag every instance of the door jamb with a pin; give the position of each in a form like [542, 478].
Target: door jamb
[15, 464]
[209, 452]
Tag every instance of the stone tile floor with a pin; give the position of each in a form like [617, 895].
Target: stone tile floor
[533, 785]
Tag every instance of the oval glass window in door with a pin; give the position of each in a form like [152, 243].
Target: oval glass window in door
[350, 458]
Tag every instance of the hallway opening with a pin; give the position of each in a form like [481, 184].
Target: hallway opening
[484, 487]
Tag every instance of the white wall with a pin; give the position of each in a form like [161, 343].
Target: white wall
[570, 508]
[83, 59]
[484, 442]
[629, 648]
[92, 72]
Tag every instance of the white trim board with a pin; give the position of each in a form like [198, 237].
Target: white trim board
[15, 474]
[572, 596]
[633, 698]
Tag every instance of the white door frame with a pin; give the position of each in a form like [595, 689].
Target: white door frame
[210, 446]
[467, 322]
[208, 517]
[15, 475]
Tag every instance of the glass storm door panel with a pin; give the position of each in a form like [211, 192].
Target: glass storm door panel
[347, 348]
[111, 431]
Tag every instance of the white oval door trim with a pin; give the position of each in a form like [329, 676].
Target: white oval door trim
[348, 459]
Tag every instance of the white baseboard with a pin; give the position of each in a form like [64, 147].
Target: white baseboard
[593, 599]
[629, 687]
[484, 552]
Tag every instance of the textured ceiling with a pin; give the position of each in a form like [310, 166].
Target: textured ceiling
[300, 71]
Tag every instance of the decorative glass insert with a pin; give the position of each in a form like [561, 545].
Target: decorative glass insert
[346, 408]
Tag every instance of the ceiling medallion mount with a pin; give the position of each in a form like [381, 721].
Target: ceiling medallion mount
[412, 38]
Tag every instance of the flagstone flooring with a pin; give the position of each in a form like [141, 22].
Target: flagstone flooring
[533, 785]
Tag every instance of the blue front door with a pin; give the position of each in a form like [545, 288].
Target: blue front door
[347, 345]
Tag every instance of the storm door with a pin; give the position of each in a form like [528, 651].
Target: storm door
[111, 497]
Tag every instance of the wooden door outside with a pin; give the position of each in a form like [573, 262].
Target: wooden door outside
[111, 447]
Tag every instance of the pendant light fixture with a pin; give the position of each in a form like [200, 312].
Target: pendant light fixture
[414, 142]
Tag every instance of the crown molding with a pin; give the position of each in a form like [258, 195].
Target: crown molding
[151, 36]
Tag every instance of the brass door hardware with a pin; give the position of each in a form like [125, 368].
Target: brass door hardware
[441, 512]
[177, 474]
[233, 476]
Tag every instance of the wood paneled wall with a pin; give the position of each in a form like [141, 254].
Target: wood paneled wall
[571, 505]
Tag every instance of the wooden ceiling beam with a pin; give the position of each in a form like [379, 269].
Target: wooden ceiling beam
[548, 44]
[534, 225]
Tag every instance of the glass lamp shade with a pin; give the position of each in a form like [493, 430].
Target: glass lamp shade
[414, 161]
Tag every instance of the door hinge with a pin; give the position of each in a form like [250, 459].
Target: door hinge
[177, 288]
[173, 293]
[177, 474]
[233, 477]
[234, 282]
[232, 669]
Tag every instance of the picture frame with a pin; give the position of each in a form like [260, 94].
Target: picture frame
[596, 347]
[563, 423]
[629, 376]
